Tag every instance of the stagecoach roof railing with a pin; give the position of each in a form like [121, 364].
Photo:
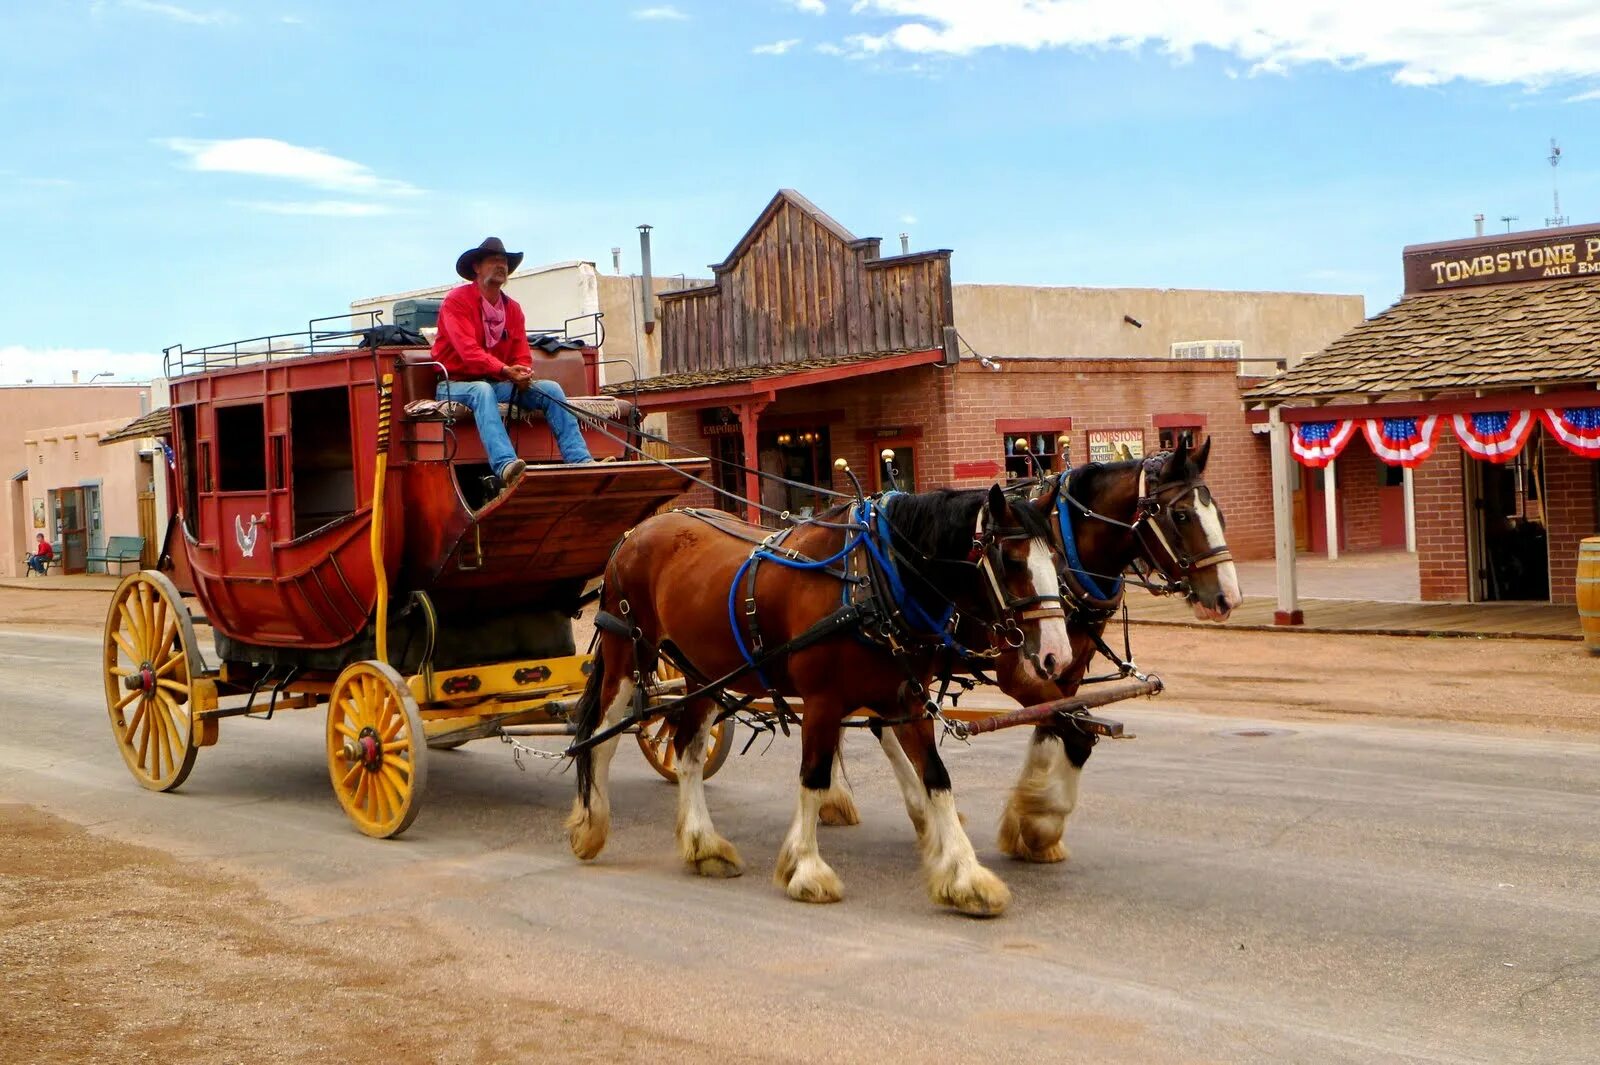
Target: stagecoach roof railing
[318, 339]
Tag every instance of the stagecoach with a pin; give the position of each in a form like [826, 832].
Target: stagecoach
[341, 537]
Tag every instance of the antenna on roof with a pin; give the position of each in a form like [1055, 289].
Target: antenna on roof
[1508, 219]
[1557, 219]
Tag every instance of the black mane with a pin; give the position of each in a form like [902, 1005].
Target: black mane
[940, 523]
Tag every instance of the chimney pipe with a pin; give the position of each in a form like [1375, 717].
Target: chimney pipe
[905, 244]
[1477, 224]
[74, 376]
[649, 285]
[616, 260]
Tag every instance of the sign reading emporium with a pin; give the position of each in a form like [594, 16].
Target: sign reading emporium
[1538, 255]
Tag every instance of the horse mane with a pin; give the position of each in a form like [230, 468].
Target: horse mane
[940, 523]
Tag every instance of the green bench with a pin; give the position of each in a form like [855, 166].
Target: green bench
[120, 550]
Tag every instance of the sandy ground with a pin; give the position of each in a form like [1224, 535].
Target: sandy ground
[115, 952]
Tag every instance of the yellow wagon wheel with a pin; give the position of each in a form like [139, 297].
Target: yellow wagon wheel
[375, 749]
[655, 740]
[150, 663]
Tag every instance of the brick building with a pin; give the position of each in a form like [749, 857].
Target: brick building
[1480, 384]
[809, 346]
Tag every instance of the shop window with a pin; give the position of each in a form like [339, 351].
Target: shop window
[1173, 435]
[324, 476]
[1390, 476]
[1035, 453]
[242, 448]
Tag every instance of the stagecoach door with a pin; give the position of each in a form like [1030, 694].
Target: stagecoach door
[244, 514]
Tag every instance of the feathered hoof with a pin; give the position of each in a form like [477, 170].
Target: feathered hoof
[973, 890]
[587, 829]
[814, 881]
[713, 856]
[840, 811]
[1032, 842]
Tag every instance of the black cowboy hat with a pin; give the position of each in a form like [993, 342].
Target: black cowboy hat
[467, 264]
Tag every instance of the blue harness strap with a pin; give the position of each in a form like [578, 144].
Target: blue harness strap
[1069, 546]
[765, 554]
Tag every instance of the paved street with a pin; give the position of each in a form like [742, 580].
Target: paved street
[1241, 889]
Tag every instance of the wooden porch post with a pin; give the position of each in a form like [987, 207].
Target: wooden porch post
[1411, 508]
[1288, 612]
[748, 414]
[1330, 507]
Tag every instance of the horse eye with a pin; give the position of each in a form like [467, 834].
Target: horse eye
[1180, 516]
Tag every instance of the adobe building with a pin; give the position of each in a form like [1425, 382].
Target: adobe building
[809, 345]
[1480, 386]
[60, 481]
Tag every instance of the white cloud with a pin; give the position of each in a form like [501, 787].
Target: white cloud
[1582, 97]
[810, 7]
[265, 157]
[291, 20]
[319, 208]
[775, 48]
[664, 13]
[1423, 42]
[908, 219]
[188, 16]
[55, 365]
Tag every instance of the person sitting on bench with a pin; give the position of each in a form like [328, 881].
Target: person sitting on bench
[483, 345]
[42, 555]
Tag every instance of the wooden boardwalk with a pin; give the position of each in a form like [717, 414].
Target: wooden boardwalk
[1539, 621]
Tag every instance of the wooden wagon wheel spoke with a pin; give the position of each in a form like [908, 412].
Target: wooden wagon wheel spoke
[656, 741]
[149, 660]
[374, 749]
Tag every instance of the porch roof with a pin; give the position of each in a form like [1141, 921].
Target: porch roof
[699, 388]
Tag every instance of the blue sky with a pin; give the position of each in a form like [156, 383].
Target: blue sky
[210, 169]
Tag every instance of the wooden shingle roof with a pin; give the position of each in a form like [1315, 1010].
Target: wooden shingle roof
[1499, 337]
[156, 423]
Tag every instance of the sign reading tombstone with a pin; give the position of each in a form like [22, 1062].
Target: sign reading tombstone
[1115, 445]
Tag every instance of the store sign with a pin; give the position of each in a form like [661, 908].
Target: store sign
[1116, 445]
[719, 421]
[1538, 256]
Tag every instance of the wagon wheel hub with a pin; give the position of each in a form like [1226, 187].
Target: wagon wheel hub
[141, 680]
[365, 749]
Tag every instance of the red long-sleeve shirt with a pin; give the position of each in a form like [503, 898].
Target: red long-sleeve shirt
[460, 348]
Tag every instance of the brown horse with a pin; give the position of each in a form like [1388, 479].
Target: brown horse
[1156, 513]
[921, 567]
[1159, 514]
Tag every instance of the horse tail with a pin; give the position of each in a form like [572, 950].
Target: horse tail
[589, 712]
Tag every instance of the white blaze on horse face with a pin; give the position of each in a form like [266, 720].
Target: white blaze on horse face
[1227, 573]
[1053, 639]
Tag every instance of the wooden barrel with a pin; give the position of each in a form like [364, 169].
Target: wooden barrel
[1589, 592]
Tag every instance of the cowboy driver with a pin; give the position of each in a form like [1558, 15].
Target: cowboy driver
[483, 345]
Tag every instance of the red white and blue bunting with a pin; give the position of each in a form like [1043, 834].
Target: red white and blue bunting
[1576, 427]
[1316, 444]
[1494, 436]
[1403, 441]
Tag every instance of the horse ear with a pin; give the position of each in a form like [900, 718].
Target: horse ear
[1172, 469]
[1202, 455]
[998, 507]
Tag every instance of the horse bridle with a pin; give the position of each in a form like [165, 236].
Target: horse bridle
[1153, 515]
[1011, 611]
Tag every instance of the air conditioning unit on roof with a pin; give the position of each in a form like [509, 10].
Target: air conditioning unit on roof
[1208, 349]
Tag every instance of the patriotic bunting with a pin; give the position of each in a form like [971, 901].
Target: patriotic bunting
[1403, 441]
[1576, 427]
[1316, 444]
[1494, 436]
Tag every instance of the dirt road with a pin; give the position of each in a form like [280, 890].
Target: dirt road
[1319, 849]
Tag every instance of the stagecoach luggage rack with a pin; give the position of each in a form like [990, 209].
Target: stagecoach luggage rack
[316, 339]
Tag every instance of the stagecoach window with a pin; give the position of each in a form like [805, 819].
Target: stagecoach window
[242, 448]
[188, 462]
[324, 480]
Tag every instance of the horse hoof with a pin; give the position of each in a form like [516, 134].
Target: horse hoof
[586, 832]
[1030, 844]
[975, 892]
[839, 812]
[1055, 852]
[718, 866]
[814, 881]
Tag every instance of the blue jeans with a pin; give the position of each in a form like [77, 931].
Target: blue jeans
[36, 563]
[483, 398]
